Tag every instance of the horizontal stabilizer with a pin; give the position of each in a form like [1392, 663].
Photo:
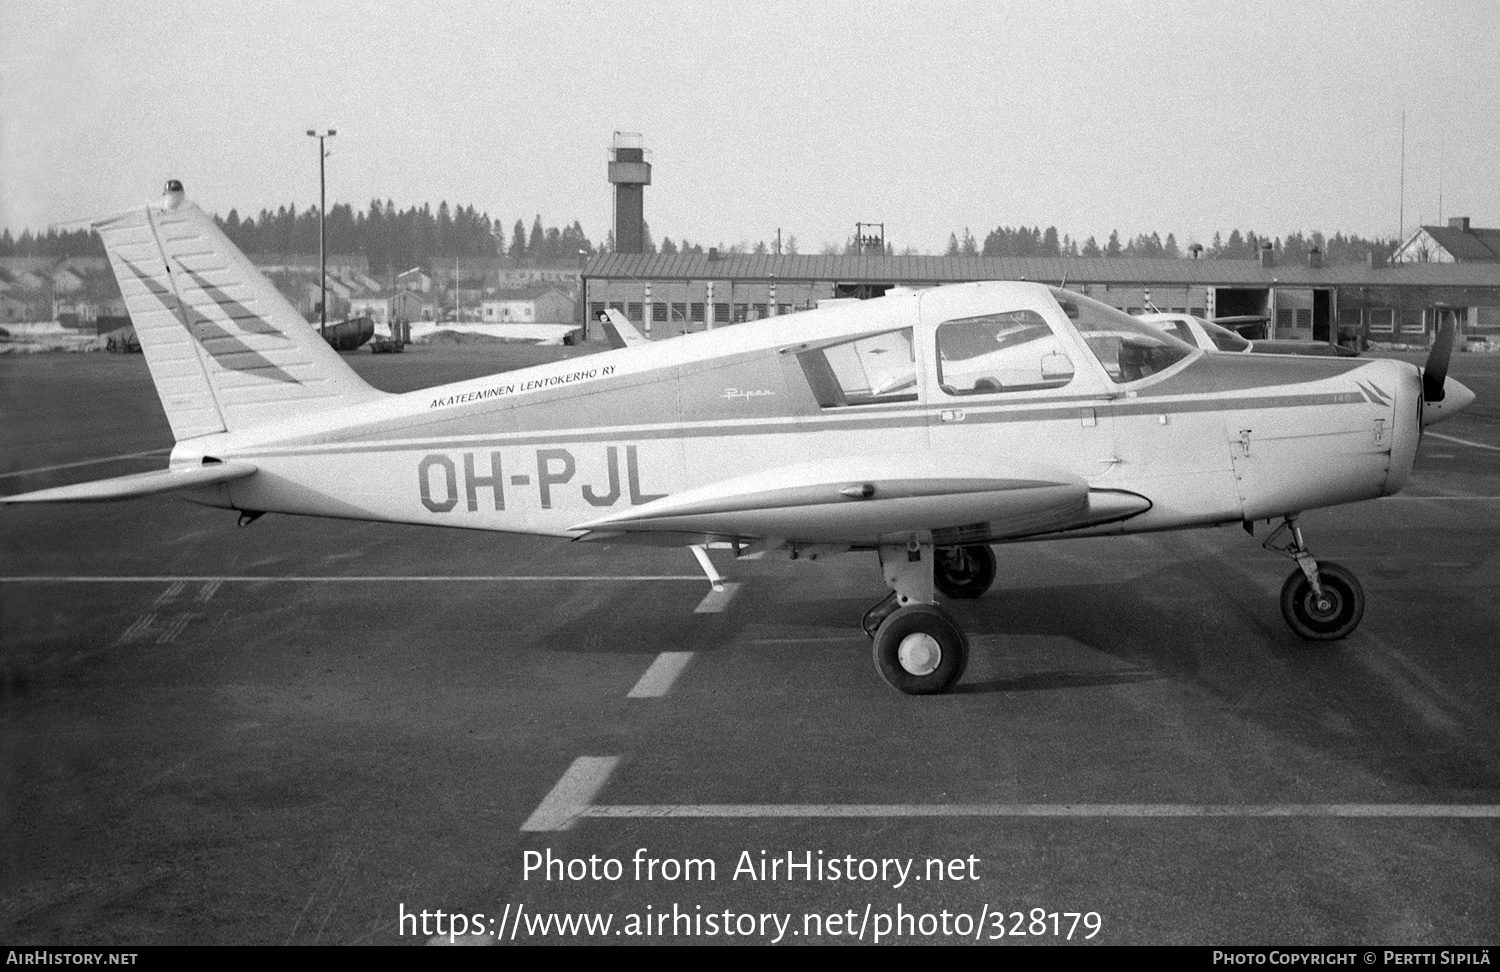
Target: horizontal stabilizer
[138, 484]
[859, 499]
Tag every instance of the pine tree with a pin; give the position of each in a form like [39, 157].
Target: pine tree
[518, 241]
[536, 244]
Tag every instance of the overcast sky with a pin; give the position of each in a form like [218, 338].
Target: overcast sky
[808, 116]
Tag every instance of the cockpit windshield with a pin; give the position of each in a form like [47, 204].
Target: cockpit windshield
[1223, 338]
[1128, 349]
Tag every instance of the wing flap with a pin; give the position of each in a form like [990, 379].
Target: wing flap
[138, 484]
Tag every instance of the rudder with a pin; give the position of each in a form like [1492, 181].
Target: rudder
[226, 350]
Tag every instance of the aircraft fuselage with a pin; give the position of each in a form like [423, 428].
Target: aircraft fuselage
[1212, 439]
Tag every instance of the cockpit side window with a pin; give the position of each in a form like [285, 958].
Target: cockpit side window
[1128, 349]
[866, 371]
[1009, 352]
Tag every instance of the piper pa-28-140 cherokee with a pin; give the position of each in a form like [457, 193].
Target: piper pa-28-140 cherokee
[924, 426]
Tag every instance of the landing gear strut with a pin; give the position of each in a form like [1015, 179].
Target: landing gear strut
[1320, 601]
[918, 648]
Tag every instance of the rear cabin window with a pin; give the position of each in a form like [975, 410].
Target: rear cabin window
[871, 370]
[1010, 352]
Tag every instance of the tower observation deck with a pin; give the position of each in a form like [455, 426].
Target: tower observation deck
[630, 173]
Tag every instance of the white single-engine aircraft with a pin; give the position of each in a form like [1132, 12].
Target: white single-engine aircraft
[923, 426]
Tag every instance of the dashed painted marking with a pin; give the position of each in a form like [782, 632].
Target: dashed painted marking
[85, 462]
[716, 601]
[473, 938]
[660, 676]
[141, 625]
[170, 594]
[174, 629]
[207, 592]
[573, 794]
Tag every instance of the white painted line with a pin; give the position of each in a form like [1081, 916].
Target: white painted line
[572, 799]
[85, 462]
[368, 579]
[1467, 442]
[660, 676]
[1106, 810]
[1443, 499]
[573, 794]
[170, 594]
[716, 601]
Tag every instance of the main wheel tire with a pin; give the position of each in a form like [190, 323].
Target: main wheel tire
[964, 572]
[1334, 615]
[920, 651]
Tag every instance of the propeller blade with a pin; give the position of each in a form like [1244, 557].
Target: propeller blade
[1435, 374]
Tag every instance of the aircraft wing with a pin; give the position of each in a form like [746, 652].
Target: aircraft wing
[860, 499]
[138, 484]
[619, 330]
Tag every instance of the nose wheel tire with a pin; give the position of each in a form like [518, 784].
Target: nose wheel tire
[1325, 618]
[920, 651]
[963, 572]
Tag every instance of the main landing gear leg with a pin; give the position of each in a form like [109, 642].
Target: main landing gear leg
[1320, 601]
[918, 648]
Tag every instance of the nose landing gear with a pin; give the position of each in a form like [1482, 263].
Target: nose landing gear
[1320, 601]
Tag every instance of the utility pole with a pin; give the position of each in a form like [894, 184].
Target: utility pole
[1401, 227]
[322, 237]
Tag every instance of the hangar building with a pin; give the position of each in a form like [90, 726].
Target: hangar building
[668, 295]
[1349, 303]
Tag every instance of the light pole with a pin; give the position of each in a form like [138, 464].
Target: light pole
[322, 238]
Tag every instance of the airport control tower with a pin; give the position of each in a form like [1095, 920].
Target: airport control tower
[631, 173]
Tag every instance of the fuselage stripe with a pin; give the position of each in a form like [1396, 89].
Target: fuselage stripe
[827, 422]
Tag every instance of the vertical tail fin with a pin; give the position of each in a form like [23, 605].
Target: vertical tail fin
[225, 348]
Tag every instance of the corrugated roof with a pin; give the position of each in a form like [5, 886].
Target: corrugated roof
[927, 270]
[526, 293]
